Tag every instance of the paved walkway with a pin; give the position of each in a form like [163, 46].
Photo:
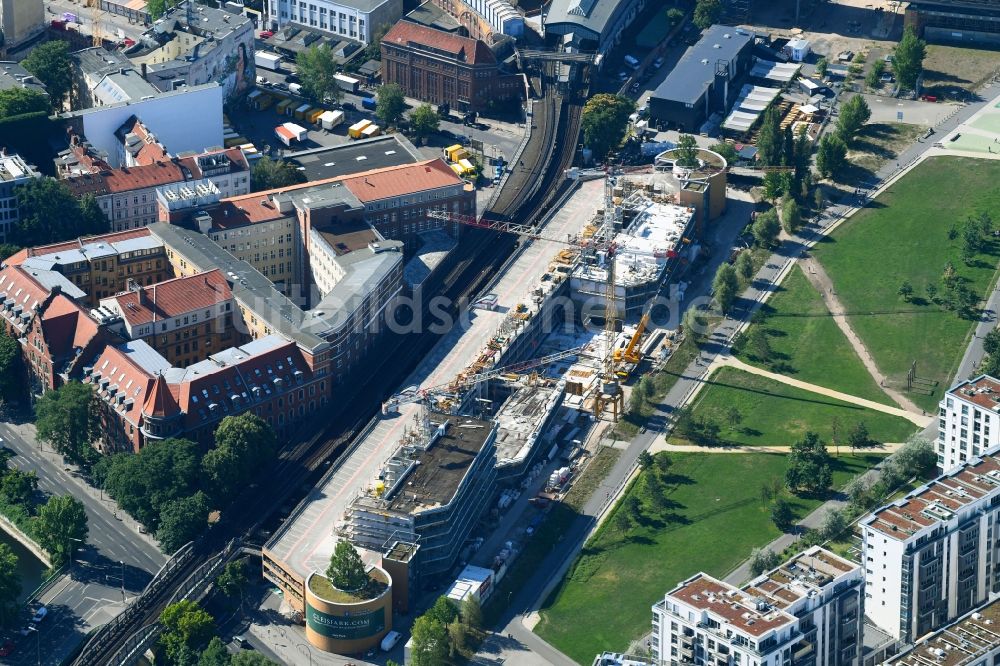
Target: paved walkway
[818, 277]
[915, 417]
[661, 445]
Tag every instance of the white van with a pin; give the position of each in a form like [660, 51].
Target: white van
[390, 640]
[631, 62]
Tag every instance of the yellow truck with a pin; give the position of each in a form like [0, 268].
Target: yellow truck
[355, 130]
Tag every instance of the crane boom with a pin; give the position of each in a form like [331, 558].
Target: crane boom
[515, 228]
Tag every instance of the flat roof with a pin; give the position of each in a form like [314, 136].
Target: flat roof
[306, 540]
[736, 607]
[13, 75]
[983, 391]
[521, 418]
[364, 155]
[695, 72]
[963, 642]
[796, 579]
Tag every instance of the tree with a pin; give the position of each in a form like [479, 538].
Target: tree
[456, 638]
[187, 628]
[472, 614]
[834, 522]
[430, 642]
[931, 290]
[765, 228]
[250, 658]
[11, 369]
[687, 151]
[424, 120]
[621, 522]
[61, 526]
[972, 242]
[161, 472]
[605, 118]
[853, 115]
[744, 266]
[874, 76]
[770, 139]
[10, 584]
[726, 150]
[244, 444]
[791, 216]
[316, 68]
[17, 487]
[763, 559]
[707, 13]
[775, 184]
[726, 286]
[156, 8]
[65, 419]
[390, 103]
[734, 416]
[182, 520]
[215, 654]
[809, 466]
[674, 16]
[693, 324]
[822, 66]
[51, 63]
[268, 174]
[859, 492]
[18, 101]
[663, 463]
[645, 460]
[916, 458]
[49, 213]
[908, 58]
[374, 49]
[233, 579]
[906, 290]
[346, 571]
[831, 156]
[781, 514]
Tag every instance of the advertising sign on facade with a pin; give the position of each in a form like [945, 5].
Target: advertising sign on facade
[346, 627]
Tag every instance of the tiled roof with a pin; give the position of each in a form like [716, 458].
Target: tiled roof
[17, 288]
[938, 500]
[464, 49]
[66, 326]
[236, 157]
[733, 605]
[160, 401]
[43, 250]
[367, 186]
[126, 179]
[173, 298]
[115, 371]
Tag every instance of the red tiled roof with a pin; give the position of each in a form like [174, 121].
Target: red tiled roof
[66, 326]
[19, 286]
[471, 51]
[235, 155]
[172, 298]
[366, 186]
[161, 401]
[126, 179]
[132, 381]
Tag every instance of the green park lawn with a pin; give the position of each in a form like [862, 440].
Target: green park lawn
[807, 344]
[715, 518]
[903, 236]
[775, 414]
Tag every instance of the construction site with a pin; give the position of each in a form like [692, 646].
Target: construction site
[509, 401]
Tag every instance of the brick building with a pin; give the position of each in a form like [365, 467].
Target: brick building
[185, 319]
[439, 67]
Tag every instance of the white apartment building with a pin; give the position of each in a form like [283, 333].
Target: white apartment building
[932, 556]
[352, 19]
[968, 421]
[973, 640]
[807, 612]
[14, 171]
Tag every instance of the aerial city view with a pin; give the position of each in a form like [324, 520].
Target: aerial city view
[522, 332]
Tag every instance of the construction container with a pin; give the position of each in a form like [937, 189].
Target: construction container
[302, 112]
[451, 153]
[288, 133]
[331, 119]
[234, 141]
[468, 168]
[368, 103]
[354, 131]
[370, 131]
[282, 107]
[315, 115]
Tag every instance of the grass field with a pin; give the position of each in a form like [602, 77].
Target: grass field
[714, 520]
[903, 236]
[776, 414]
[948, 69]
[807, 344]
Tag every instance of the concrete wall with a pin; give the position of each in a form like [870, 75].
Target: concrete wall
[21, 20]
[15, 532]
[184, 120]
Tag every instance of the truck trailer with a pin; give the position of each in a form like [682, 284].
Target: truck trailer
[348, 83]
[267, 60]
[288, 133]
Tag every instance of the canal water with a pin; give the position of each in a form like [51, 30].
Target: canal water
[30, 567]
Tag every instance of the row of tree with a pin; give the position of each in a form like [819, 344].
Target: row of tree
[445, 632]
[170, 487]
[189, 639]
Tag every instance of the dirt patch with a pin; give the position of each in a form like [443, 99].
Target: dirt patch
[950, 71]
[879, 143]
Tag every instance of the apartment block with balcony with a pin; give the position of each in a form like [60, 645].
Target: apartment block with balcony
[14, 172]
[970, 640]
[931, 557]
[350, 19]
[806, 612]
[968, 421]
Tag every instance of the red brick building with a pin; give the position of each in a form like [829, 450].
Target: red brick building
[437, 67]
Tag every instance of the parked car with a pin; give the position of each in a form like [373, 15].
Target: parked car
[40, 615]
[266, 34]
[280, 85]
[887, 78]
[658, 63]
[347, 106]
[622, 75]
[242, 643]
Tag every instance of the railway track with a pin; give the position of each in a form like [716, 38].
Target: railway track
[480, 254]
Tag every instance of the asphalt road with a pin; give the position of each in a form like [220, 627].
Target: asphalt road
[110, 23]
[90, 592]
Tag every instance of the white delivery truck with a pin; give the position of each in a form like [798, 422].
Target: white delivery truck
[348, 83]
[390, 641]
[295, 88]
[331, 119]
[267, 60]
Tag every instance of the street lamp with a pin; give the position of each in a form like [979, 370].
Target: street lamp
[121, 579]
[73, 550]
[307, 652]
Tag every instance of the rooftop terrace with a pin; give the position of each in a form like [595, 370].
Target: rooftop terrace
[966, 641]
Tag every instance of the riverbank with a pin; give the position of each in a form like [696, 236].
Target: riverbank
[26, 542]
[31, 568]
